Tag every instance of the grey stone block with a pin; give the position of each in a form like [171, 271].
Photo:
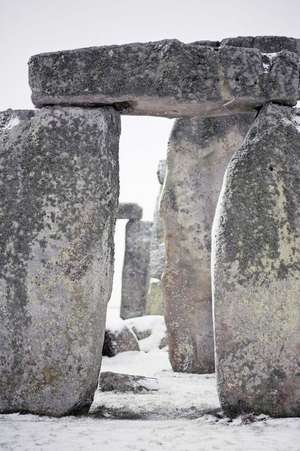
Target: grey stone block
[256, 272]
[122, 339]
[129, 211]
[123, 383]
[135, 275]
[266, 44]
[164, 78]
[198, 152]
[58, 203]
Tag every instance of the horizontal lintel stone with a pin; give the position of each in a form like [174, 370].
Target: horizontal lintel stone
[165, 78]
[128, 210]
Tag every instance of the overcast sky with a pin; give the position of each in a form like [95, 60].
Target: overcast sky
[28, 27]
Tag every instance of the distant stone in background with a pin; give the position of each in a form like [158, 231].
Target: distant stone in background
[155, 300]
[118, 338]
[135, 275]
[58, 203]
[256, 272]
[129, 211]
[123, 383]
[165, 78]
[198, 152]
[155, 304]
[150, 330]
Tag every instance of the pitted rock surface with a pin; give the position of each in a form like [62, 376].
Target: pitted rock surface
[266, 44]
[198, 152]
[135, 275]
[256, 270]
[58, 203]
[165, 78]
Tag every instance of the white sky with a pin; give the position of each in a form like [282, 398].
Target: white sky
[28, 27]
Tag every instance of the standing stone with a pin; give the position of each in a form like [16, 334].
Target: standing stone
[165, 78]
[256, 270]
[198, 152]
[155, 304]
[135, 276]
[58, 203]
[155, 300]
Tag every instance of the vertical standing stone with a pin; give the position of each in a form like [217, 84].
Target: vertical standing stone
[155, 304]
[256, 270]
[58, 203]
[198, 152]
[135, 276]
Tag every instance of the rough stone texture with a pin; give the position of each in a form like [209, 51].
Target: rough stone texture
[256, 270]
[129, 211]
[165, 78]
[119, 340]
[135, 275]
[123, 383]
[198, 152]
[58, 203]
[266, 44]
[155, 301]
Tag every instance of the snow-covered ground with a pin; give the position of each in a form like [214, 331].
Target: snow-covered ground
[175, 398]
[180, 396]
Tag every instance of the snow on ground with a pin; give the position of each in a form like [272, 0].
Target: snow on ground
[176, 395]
[32, 433]
[179, 395]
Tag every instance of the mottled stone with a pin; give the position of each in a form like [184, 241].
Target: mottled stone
[256, 270]
[266, 44]
[165, 78]
[123, 383]
[155, 300]
[135, 275]
[119, 339]
[58, 203]
[129, 211]
[198, 152]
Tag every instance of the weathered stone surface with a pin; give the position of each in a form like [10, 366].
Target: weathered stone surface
[256, 271]
[266, 44]
[129, 211]
[155, 301]
[58, 203]
[119, 338]
[123, 383]
[198, 152]
[135, 275]
[164, 78]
